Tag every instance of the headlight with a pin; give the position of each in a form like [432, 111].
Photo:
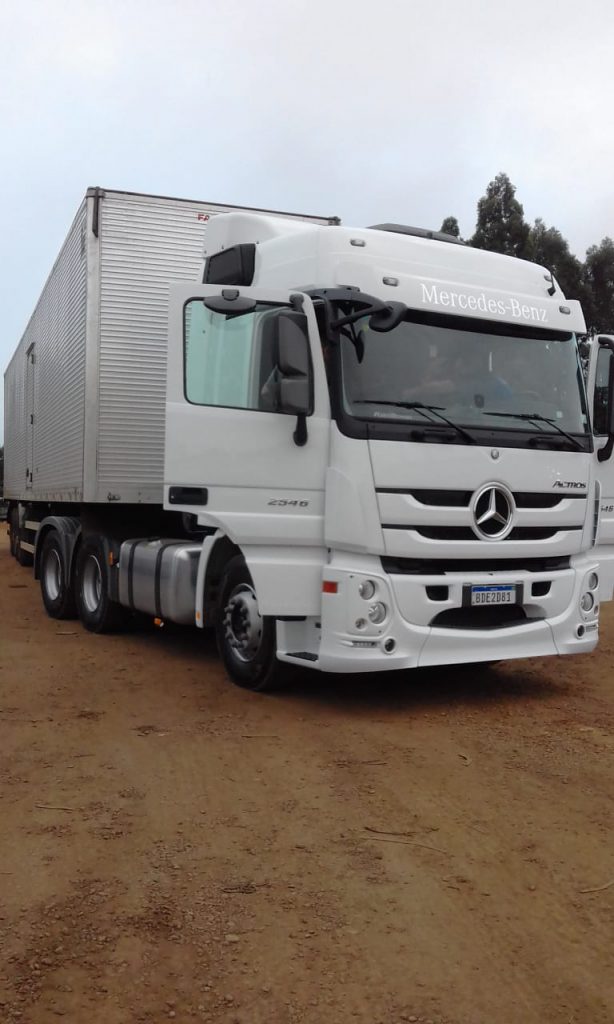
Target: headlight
[366, 589]
[593, 581]
[586, 602]
[377, 613]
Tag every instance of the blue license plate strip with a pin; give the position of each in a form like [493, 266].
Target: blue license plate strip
[489, 595]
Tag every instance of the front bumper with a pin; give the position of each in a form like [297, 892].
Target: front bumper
[555, 623]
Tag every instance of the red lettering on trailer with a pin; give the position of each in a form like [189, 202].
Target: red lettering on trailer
[202, 216]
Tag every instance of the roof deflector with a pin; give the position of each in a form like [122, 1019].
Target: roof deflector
[406, 229]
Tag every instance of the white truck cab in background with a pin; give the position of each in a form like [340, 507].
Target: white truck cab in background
[601, 388]
[377, 454]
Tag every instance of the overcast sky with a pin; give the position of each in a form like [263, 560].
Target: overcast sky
[373, 110]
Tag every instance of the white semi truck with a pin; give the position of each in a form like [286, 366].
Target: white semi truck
[350, 449]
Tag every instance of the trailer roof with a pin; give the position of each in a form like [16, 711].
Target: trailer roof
[99, 190]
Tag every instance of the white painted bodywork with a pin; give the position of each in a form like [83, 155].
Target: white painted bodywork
[604, 474]
[246, 458]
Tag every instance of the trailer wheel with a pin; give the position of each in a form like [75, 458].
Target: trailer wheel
[56, 586]
[23, 557]
[245, 639]
[96, 610]
[13, 528]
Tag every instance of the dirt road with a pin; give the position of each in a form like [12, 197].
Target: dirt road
[367, 849]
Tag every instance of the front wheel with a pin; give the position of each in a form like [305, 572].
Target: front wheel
[245, 638]
[96, 610]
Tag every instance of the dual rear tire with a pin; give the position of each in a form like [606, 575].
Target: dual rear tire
[18, 552]
[81, 591]
[246, 639]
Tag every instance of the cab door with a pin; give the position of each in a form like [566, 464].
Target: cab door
[600, 388]
[236, 455]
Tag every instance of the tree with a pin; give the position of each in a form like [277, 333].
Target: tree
[547, 247]
[599, 278]
[450, 227]
[501, 226]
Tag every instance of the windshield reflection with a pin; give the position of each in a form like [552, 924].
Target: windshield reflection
[472, 370]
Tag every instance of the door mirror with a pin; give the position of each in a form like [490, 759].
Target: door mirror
[295, 378]
[295, 396]
[295, 375]
[604, 398]
[230, 302]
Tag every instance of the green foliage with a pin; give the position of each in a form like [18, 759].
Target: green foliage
[501, 226]
[450, 227]
[547, 247]
[599, 279]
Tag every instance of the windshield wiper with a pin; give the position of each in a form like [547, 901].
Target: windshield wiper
[421, 407]
[536, 417]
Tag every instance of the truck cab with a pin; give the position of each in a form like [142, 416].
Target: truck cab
[385, 438]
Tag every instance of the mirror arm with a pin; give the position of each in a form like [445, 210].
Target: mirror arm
[300, 431]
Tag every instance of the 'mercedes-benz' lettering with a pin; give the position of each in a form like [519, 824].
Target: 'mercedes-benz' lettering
[512, 308]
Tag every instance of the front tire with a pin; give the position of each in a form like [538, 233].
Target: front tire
[96, 610]
[246, 640]
[56, 586]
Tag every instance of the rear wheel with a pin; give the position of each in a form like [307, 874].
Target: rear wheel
[56, 585]
[13, 527]
[246, 639]
[23, 557]
[96, 610]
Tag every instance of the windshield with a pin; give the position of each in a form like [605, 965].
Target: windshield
[475, 372]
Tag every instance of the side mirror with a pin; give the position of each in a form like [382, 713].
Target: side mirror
[606, 452]
[295, 376]
[230, 302]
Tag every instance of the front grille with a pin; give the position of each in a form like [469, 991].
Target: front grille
[480, 618]
[466, 533]
[439, 567]
[532, 499]
[450, 499]
[436, 498]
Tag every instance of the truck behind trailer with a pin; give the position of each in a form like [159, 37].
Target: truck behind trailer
[347, 449]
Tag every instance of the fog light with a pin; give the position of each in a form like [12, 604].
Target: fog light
[366, 589]
[389, 645]
[377, 613]
[593, 581]
[586, 602]
[580, 631]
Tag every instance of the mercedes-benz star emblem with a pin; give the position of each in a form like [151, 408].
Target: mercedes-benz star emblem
[493, 512]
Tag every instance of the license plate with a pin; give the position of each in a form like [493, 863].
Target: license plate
[505, 594]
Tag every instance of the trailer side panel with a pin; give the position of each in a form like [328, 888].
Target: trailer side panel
[45, 382]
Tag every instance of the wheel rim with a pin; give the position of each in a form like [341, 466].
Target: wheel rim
[53, 575]
[243, 623]
[91, 586]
